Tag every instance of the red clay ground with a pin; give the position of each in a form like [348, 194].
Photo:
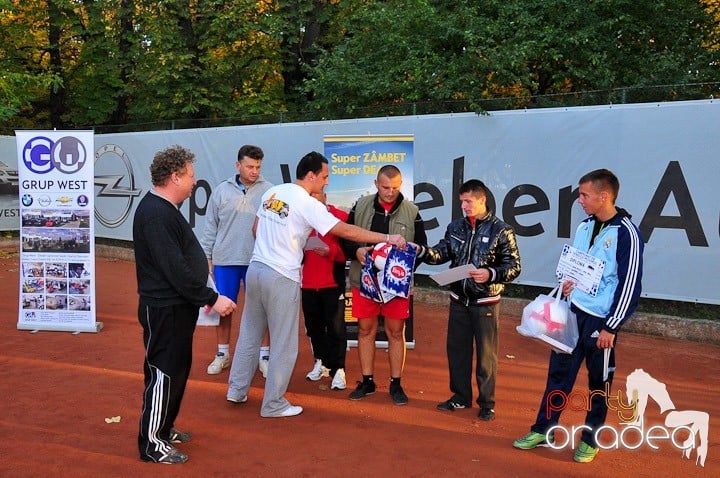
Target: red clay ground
[57, 389]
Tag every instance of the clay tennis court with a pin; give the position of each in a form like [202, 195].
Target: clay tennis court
[57, 390]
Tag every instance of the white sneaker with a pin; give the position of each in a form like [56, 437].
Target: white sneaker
[237, 400]
[219, 363]
[290, 411]
[263, 365]
[338, 382]
[318, 371]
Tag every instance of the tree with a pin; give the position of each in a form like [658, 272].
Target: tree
[303, 29]
[27, 79]
[98, 76]
[121, 61]
[424, 50]
[392, 51]
[83, 63]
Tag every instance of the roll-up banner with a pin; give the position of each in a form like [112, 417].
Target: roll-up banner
[354, 165]
[57, 247]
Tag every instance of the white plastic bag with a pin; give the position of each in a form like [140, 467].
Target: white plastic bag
[549, 319]
[208, 316]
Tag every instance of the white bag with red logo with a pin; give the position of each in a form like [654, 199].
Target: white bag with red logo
[549, 319]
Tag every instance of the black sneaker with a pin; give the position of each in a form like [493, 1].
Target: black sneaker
[176, 436]
[487, 414]
[362, 389]
[172, 457]
[398, 396]
[450, 405]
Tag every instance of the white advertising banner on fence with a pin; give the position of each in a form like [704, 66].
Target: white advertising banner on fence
[57, 266]
[665, 154]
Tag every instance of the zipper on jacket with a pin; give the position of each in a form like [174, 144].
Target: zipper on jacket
[469, 246]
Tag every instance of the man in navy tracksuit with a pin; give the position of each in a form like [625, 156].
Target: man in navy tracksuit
[610, 236]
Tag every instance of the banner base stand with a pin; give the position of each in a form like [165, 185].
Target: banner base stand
[98, 326]
[381, 344]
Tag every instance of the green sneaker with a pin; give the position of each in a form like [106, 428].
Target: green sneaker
[530, 441]
[585, 453]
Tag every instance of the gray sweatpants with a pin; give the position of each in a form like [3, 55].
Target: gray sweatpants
[272, 301]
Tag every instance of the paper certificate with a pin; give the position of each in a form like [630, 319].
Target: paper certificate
[452, 275]
[581, 268]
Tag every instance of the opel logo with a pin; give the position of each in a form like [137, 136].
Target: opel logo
[119, 184]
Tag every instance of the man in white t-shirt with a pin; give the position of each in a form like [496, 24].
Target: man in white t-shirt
[286, 216]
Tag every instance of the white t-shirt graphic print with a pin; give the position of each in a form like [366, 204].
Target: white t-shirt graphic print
[286, 216]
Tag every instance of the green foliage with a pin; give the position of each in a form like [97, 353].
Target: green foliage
[85, 63]
[416, 50]
[135, 61]
[303, 30]
[16, 92]
[93, 79]
[392, 52]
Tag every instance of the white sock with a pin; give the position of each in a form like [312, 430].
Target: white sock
[265, 352]
[224, 349]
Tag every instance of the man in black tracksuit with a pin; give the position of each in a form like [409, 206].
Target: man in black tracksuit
[172, 273]
[483, 240]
